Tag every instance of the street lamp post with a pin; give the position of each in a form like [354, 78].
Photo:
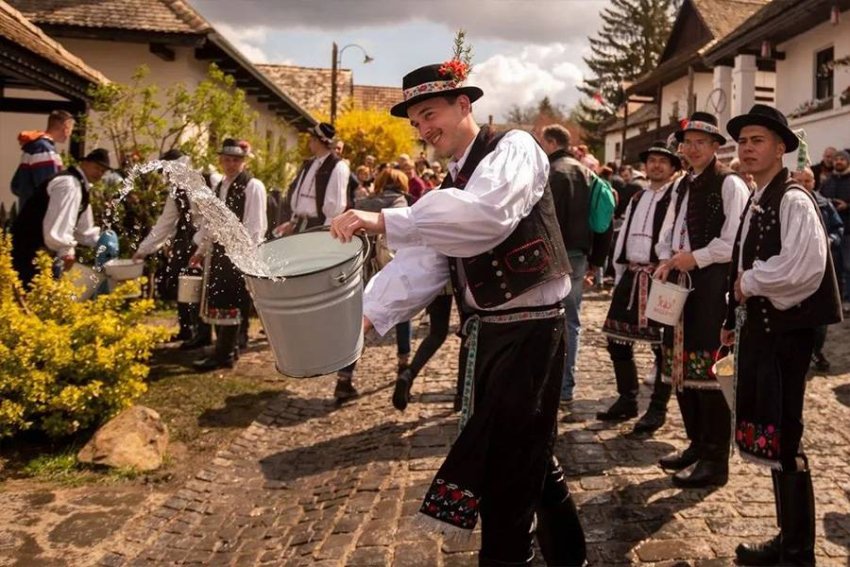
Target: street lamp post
[336, 62]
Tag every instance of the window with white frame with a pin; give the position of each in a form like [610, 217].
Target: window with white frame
[824, 73]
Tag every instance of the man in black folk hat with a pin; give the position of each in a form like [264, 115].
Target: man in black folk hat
[696, 239]
[491, 231]
[225, 302]
[58, 217]
[782, 286]
[319, 191]
[173, 231]
[635, 260]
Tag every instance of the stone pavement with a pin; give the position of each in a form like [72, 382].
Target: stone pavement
[311, 484]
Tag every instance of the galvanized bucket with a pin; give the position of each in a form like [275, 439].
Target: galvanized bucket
[313, 316]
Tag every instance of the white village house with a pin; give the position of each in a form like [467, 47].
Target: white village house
[810, 41]
[170, 37]
[683, 83]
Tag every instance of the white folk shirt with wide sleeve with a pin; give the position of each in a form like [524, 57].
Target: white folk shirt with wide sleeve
[796, 272]
[163, 230]
[735, 195]
[61, 228]
[304, 201]
[254, 217]
[502, 190]
[639, 250]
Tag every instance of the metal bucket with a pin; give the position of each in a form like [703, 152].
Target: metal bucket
[666, 300]
[724, 370]
[189, 289]
[86, 279]
[313, 317]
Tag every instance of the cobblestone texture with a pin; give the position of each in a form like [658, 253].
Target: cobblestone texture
[312, 484]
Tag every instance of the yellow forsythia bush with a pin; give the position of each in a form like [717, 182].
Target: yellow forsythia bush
[67, 365]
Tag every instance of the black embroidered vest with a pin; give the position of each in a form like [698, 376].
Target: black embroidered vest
[225, 287]
[323, 177]
[764, 239]
[657, 220]
[533, 254]
[27, 229]
[705, 215]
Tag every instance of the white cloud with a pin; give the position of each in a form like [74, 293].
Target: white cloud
[248, 40]
[529, 21]
[524, 78]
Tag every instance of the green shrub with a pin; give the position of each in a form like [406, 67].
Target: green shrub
[67, 365]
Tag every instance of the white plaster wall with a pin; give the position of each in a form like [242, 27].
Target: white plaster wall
[678, 91]
[10, 151]
[795, 84]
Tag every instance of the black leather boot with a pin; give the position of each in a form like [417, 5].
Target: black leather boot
[680, 459]
[703, 473]
[559, 532]
[627, 387]
[766, 552]
[797, 506]
[656, 414]
[226, 352]
[401, 392]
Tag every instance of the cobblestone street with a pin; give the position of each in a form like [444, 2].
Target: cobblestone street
[312, 484]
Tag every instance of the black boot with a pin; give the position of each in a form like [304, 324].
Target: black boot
[344, 390]
[559, 532]
[186, 320]
[226, 352]
[656, 414]
[202, 331]
[766, 552]
[401, 393]
[703, 473]
[797, 507]
[627, 387]
[680, 459]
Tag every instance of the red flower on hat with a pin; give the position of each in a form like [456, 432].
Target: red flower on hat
[455, 70]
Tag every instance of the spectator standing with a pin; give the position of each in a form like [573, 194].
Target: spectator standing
[570, 182]
[836, 188]
[39, 159]
[834, 230]
[823, 169]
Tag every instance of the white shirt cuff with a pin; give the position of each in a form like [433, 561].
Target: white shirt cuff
[401, 228]
[702, 257]
[747, 284]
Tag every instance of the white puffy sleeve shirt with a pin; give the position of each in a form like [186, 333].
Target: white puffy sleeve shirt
[502, 190]
[254, 217]
[304, 203]
[164, 229]
[796, 272]
[61, 228]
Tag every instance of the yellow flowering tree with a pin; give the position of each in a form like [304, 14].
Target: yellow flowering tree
[67, 365]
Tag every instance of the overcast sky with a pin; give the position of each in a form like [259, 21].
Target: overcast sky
[523, 49]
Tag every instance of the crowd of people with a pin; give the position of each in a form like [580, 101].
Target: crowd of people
[509, 232]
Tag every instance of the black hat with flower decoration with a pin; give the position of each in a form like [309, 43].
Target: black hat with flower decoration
[439, 79]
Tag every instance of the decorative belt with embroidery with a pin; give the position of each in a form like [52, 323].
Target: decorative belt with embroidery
[641, 285]
[470, 331]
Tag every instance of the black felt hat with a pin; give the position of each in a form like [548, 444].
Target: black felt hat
[324, 131]
[702, 122]
[428, 82]
[769, 117]
[660, 147]
[99, 156]
[237, 148]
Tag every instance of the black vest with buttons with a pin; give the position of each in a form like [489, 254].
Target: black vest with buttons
[764, 240]
[705, 215]
[532, 255]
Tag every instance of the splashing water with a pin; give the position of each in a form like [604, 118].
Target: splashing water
[219, 222]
